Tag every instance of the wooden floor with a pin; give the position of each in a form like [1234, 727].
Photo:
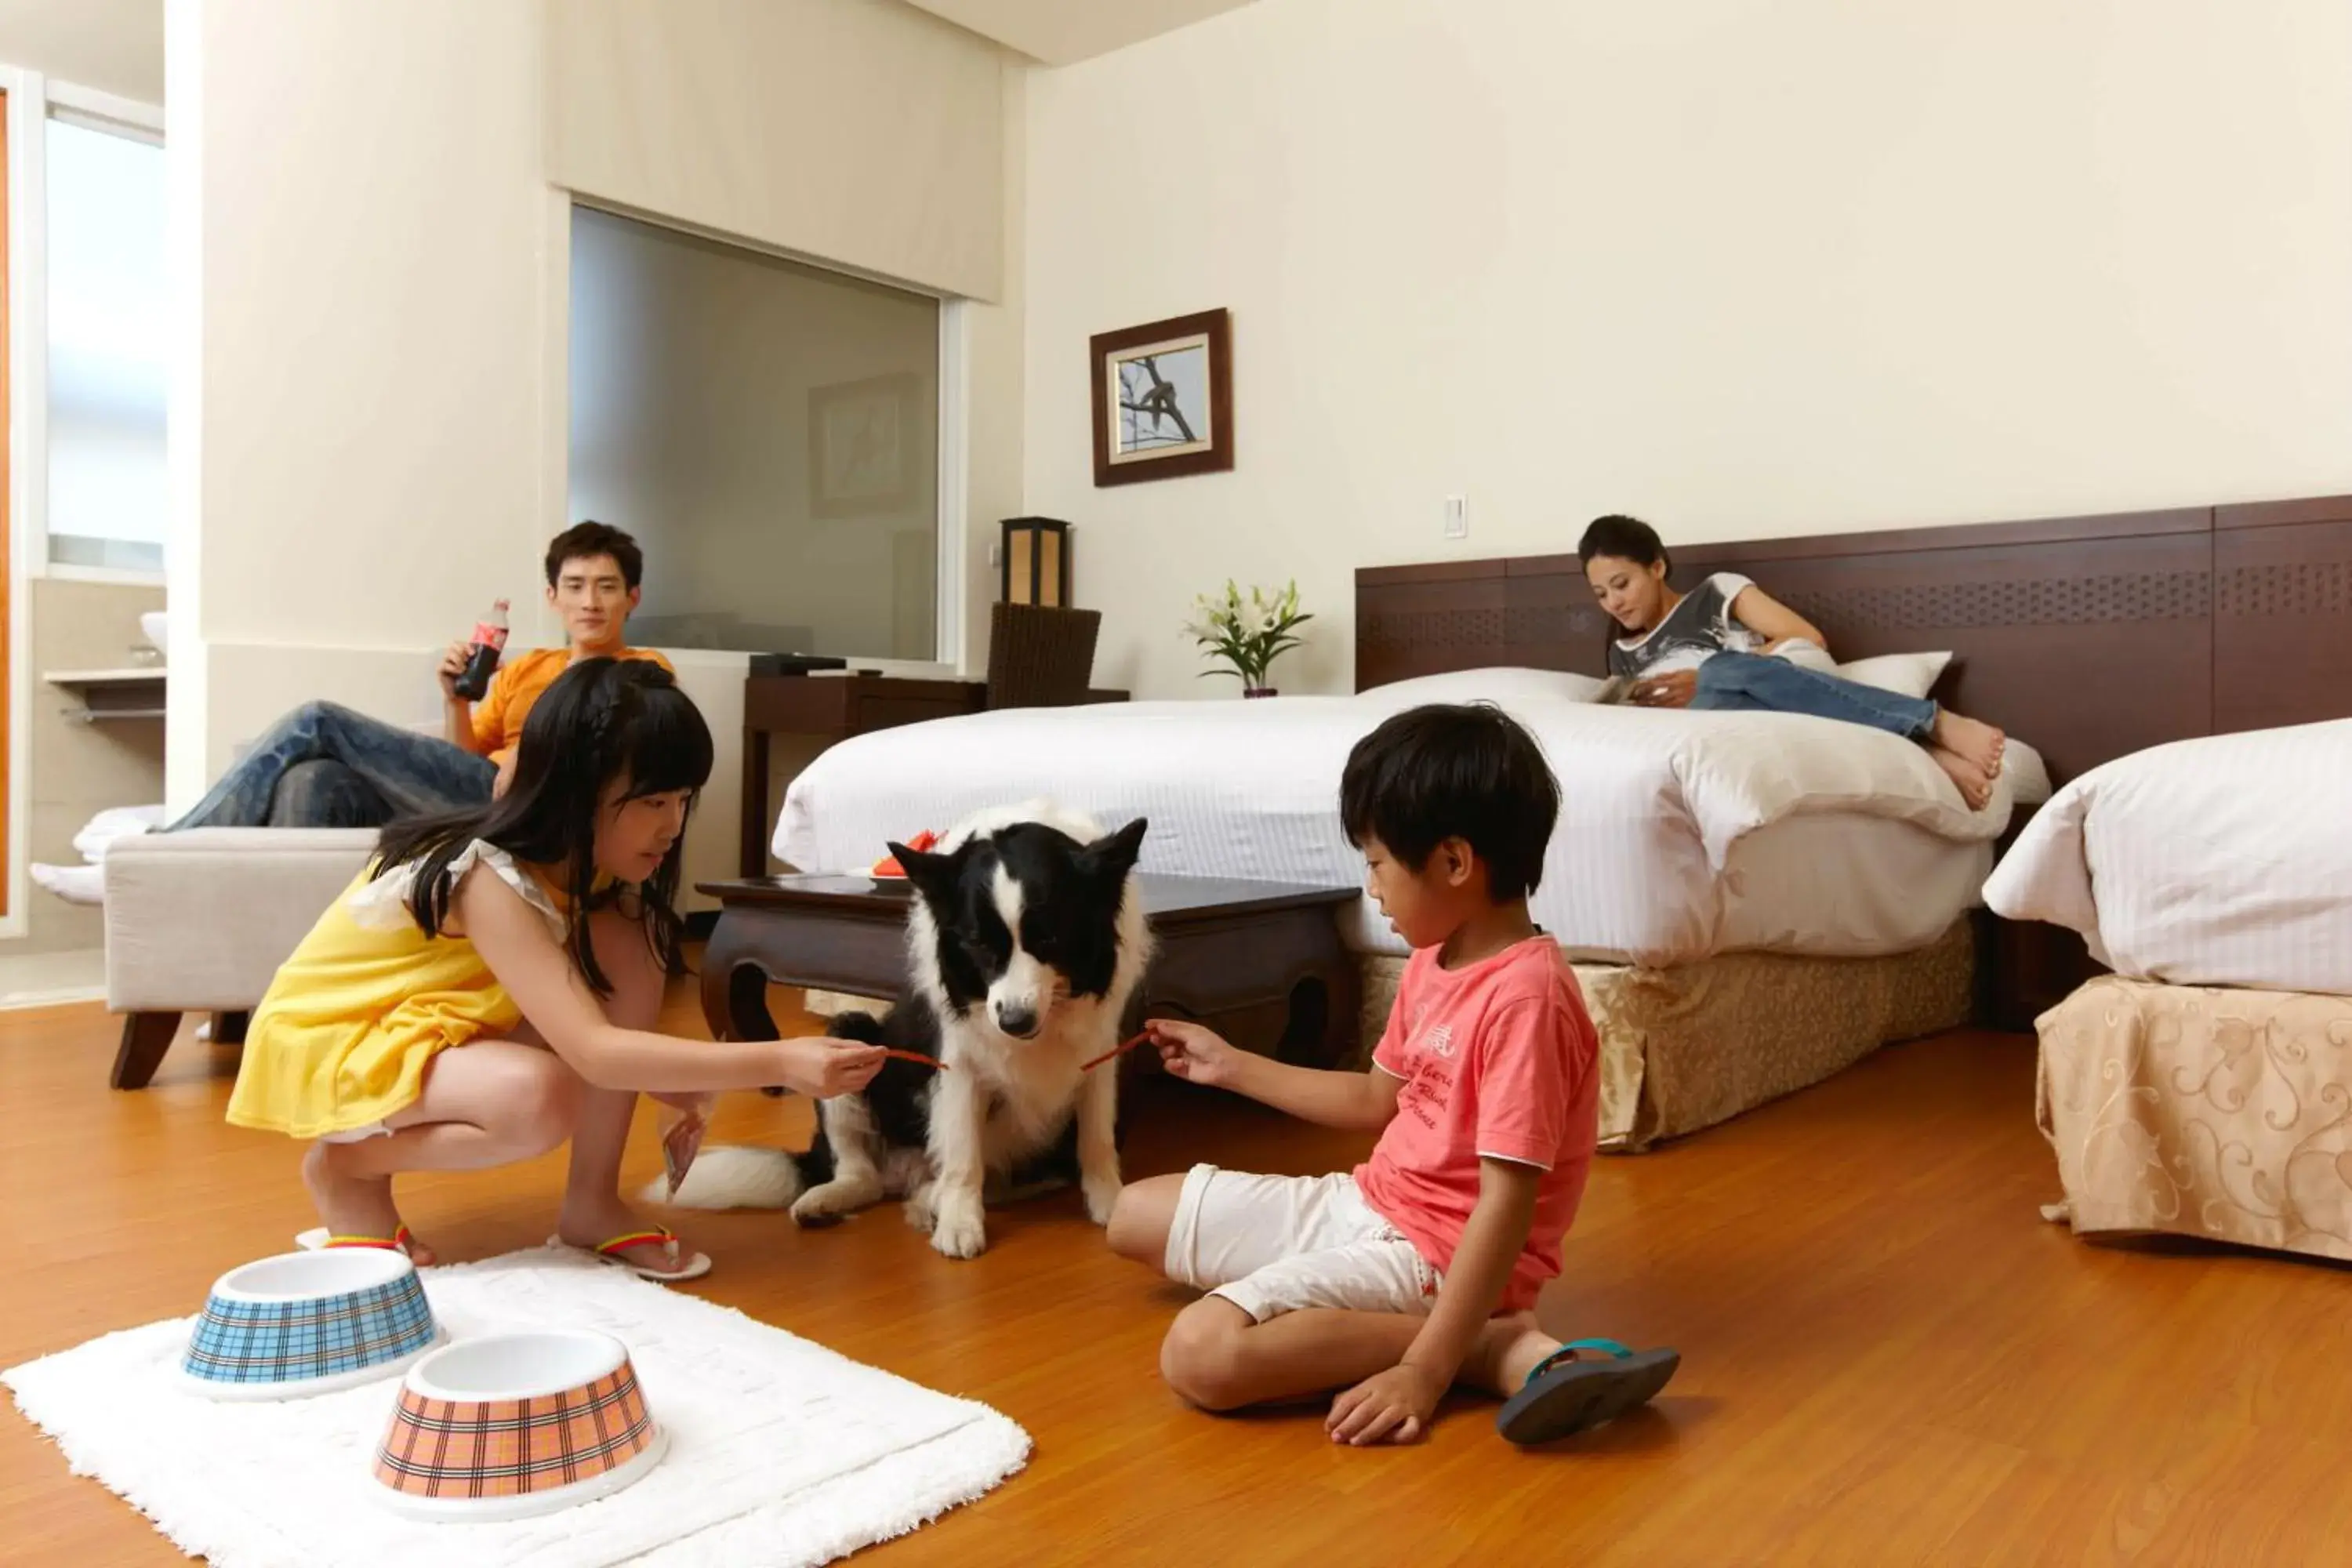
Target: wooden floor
[1889, 1358]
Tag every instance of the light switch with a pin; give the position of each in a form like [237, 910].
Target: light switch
[1457, 517]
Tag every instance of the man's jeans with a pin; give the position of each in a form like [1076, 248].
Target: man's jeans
[325, 766]
[1759, 683]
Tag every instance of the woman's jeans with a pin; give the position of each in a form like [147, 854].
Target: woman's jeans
[1759, 683]
[325, 766]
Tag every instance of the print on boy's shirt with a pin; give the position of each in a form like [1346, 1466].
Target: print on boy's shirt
[1439, 1040]
[1429, 1089]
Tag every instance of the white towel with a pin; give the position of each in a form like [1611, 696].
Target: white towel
[781, 1452]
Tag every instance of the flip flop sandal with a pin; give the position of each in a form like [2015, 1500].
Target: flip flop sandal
[675, 1272]
[1567, 1393]
[319, 1239]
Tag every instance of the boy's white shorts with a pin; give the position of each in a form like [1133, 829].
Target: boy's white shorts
[1272, 1245]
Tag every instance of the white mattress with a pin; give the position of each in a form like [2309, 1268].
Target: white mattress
[1680, 834]
[2224, 860]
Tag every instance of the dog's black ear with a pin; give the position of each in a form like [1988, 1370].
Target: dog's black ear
[1115, 856]
[932, 875]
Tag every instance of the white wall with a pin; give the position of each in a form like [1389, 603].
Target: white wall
[1743, 270]
[995, 362]
[369, 403]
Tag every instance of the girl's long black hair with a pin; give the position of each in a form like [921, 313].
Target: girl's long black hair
[603, 718]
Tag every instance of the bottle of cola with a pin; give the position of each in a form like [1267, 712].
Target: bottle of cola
[482, 659]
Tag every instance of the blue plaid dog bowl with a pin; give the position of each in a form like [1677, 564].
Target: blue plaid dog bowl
[308, 1322]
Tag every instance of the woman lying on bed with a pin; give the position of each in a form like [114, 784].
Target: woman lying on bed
[1715, 647]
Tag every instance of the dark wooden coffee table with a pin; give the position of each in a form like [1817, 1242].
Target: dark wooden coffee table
[1261, 960]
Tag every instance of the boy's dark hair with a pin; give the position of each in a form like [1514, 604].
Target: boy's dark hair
[603, 718]
[1626, 537]
[586, 540]
[1443, 772]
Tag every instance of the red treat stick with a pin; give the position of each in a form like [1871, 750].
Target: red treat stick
[1120, 1051]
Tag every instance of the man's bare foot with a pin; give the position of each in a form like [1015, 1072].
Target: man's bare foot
[1508, 1349]
[1973, 741]
[1975, 788]
[355, 1205]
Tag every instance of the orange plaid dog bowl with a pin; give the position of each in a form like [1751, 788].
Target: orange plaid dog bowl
[507, 1425]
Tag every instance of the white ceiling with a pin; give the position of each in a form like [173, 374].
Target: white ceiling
[1060, 31]
[117, 46]
[114, 46]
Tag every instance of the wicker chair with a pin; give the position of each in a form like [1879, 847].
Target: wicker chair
[1040, 657]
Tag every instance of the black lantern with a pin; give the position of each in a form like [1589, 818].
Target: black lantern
[1036, 561]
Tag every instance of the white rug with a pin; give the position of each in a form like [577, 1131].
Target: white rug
[781, 1451]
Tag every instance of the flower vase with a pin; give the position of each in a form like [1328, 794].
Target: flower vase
[1257, 691]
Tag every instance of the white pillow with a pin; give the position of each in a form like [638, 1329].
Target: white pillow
[1494, 685]
[2028, 775]
[1911, 674]
[1806, 655]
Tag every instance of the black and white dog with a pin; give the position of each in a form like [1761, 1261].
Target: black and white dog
[1025, 939]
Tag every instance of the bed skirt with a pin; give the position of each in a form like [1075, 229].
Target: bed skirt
[2201, 1112]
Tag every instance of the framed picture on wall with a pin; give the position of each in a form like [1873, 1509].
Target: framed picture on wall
[864, 448]
[1163, 399]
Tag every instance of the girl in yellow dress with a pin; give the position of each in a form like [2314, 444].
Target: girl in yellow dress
[488, 986]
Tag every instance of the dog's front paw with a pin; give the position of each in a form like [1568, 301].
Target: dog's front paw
[918, 1208]
[959, 1229]
[827, 1204]
[1101, 1194]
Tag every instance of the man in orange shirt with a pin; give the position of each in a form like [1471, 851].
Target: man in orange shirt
[324, 766]
[592, 576]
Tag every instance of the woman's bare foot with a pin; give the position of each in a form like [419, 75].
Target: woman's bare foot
[1973, 741]
[354, 1206]
[1974, 786]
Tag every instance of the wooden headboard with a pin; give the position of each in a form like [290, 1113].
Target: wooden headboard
[2088, 637]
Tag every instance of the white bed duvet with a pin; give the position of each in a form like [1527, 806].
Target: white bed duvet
[1681, 835]
[2223, 860]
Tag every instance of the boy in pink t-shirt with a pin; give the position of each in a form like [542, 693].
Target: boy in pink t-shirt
[1420, 1268]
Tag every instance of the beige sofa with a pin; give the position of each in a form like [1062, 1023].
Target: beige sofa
[199, 921]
